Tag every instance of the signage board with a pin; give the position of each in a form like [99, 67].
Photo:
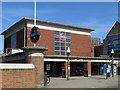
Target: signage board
[62, 36]
[35, 34]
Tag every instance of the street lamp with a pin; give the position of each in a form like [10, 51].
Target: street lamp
[68, 68]
[112, 52]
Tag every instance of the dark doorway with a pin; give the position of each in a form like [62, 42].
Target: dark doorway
[95, 68]
[54, 69]
[77, 69]
[58, 69]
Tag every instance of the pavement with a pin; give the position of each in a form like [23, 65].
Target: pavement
[84, 82]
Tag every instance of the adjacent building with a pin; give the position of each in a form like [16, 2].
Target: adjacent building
[112, 41]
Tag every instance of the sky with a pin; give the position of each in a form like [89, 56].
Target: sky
[100, 16]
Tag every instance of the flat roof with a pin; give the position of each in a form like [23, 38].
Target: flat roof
[25, 19]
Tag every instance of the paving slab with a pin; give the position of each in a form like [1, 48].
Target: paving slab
[84, 82]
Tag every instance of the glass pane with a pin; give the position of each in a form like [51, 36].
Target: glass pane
[62, 48]
[56, 36]
[62, 40]
[56, 48]
[62, 44]
[68, 37]
[56, 43]
[56, 39]
[62, 53]
[67, 40]
[56, 33]
[56, 52]
[67, 44]
[62, 32]
[67, 34]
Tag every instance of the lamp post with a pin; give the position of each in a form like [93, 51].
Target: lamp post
[112, 52]
[68, 68]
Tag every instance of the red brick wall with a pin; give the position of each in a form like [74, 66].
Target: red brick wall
[18, 79]
[20, 38]
[89, 68]
[46, 40]
[38, 62]
[80, 45]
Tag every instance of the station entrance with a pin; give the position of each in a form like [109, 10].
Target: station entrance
[57, 69]
[78, 68]
[53, 69]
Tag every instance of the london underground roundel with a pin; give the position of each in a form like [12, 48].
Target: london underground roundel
[35, 34]
[62, 36]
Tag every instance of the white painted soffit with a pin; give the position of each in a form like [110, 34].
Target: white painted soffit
[75, 60]
[59, 29]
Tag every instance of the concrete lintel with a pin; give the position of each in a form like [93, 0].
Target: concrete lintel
[34, 51]
[34, 48]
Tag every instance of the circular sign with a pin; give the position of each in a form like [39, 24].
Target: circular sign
[35, 34]
[62, 36]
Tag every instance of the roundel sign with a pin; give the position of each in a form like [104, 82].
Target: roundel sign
[35, 34]
[62, 36]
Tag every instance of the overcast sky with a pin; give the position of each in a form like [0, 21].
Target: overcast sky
[100, 16]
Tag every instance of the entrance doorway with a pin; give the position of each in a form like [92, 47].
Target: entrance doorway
[54, 69]
[77, 68]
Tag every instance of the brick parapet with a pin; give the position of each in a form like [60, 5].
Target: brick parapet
[18, 78]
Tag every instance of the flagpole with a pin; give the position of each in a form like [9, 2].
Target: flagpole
[35, 14]
[35, 17]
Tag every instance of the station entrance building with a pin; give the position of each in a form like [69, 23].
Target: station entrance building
[57, 38]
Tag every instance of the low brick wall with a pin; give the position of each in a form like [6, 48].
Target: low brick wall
[17, 77]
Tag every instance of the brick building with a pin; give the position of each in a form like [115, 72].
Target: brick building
[77, 38]
[57, 38]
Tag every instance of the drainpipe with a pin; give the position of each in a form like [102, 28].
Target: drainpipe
[25, 29]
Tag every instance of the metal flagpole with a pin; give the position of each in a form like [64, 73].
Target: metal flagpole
[35, 17]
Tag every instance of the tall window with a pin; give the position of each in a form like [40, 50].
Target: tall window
[13, 40]
[62, 41]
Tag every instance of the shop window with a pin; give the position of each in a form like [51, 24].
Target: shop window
[47, 66]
